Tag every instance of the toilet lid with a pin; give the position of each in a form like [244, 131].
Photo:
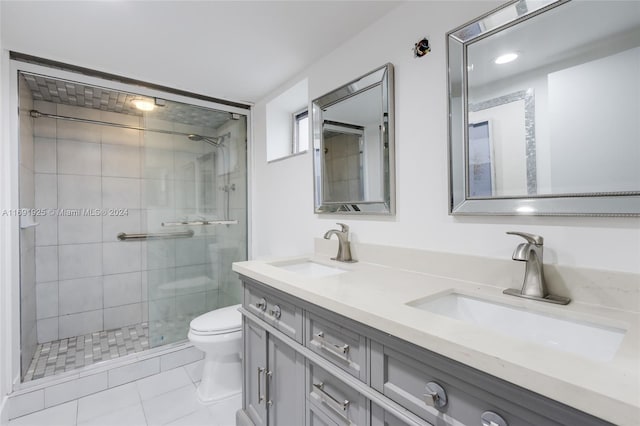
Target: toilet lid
[222, 320]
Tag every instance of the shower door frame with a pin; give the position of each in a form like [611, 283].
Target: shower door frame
[9, 176]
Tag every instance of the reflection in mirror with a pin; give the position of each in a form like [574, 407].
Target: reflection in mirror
[545, 110]
[353, 146]
[502, 146]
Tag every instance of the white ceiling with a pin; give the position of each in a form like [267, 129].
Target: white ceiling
[236, 50]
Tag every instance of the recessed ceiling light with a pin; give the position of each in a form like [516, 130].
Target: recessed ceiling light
[506, 58]
[143, 104]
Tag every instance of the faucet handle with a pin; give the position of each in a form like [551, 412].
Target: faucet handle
[531, 238]
[345, 228]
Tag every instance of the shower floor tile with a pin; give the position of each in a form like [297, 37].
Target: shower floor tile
[74, 352]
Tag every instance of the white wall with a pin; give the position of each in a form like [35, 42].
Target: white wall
[283, 219]
[599, 146]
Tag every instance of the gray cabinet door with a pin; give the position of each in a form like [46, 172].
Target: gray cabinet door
[285, 384]
[255, 368]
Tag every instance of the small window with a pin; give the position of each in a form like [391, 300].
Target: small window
[300, 132]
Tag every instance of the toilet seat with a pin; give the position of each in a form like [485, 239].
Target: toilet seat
[220, 321]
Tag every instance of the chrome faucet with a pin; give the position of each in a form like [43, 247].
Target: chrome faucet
[344, 247]
[533, 286]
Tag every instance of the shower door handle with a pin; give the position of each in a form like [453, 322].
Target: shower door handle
[123, 236]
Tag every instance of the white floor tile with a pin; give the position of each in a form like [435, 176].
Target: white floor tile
[60, 415]
[158, 384]
[168, 398]
[224, 412]
[171, 406]
[130, 416]
[27, 403]
[194, 370]
[108, 401]
[199, 418]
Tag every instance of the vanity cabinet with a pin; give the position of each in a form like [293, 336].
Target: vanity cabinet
[312, 366]
[274, 394]
[411, 376]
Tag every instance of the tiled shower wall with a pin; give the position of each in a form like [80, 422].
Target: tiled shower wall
[28, 338]
[87, 280]
[342, 158]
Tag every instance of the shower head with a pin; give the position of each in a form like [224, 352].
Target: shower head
[212, 141]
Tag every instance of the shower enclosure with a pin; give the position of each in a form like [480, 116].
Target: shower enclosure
[133, 207]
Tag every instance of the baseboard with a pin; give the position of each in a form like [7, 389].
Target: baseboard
[4, 413]
[242, 419]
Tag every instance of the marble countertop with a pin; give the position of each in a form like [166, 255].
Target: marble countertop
[377, 295]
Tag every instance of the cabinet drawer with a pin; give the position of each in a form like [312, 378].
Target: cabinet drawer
[470, 394]
[336, 400]
[339, 345]
[382, 417]
[276, 310]
[315, 417]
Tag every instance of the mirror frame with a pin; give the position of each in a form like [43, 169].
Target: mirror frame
[382, 76]
[578, 204]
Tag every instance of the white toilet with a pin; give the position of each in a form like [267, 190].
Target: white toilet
[219, 335]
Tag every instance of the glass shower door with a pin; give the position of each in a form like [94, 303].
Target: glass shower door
[194, 213]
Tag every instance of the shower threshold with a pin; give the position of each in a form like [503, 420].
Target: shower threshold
[68, 354]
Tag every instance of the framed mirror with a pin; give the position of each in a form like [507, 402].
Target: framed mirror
[544, 110]
[353, 146]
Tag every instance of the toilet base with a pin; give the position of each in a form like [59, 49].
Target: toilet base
[221, 378]
[216, 398]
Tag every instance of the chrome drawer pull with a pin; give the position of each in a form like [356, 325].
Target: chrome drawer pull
[340, 351]
[339, 407]
[269, 375]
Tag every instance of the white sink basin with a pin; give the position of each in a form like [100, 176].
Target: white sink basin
[594, 341]
[310, 268]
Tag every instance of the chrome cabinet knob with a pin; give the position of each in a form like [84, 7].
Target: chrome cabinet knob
[262, 304]
[276, 312]
[435, 395]
[489, 418]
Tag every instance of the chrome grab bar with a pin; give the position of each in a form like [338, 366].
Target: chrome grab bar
[201, 222]
[339, 407]
[122, 236]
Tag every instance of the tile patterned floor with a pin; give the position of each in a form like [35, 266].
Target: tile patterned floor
[168, 398]
[66, 354]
